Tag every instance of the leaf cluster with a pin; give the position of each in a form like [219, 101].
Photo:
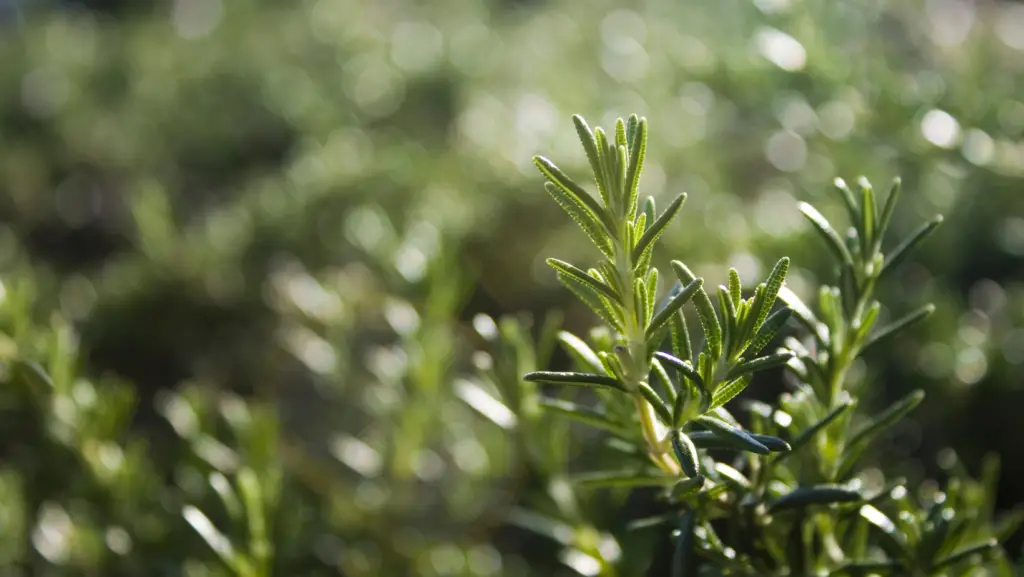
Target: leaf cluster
[793, 499]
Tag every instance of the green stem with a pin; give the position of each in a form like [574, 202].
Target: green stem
[636, 365]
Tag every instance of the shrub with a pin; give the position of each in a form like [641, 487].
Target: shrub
[769, 490]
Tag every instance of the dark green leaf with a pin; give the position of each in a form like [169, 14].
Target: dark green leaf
[858, 442]
[683, 367]
[806, 436]
[774, 444]
[818, 495]
[864, 568]
[674, 304]
[709, 440]
[1009, 524]
[887, 418]
[686, 453]
[681, 558]
[939, 524]
[739, 437]
[900, 253]
[576, 379]
[966, 553]
[899, 325]
[769, 329]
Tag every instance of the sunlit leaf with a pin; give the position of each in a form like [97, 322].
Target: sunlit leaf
[832, 239]
[740, 438]
[705, 310]
[575, 379]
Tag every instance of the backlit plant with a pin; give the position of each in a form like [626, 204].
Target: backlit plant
[791, 501]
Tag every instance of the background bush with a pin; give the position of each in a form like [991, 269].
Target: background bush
[292, 238]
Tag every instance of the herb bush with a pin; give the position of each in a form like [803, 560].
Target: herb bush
[752, 488]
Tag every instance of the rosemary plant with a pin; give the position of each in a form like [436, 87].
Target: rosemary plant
[678, 395]
[792, 500]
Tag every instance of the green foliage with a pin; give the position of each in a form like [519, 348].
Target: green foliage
[623, 287]
[789, 508]
[263, 236]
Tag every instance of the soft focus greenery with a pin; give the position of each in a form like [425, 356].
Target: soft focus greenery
[264, 263]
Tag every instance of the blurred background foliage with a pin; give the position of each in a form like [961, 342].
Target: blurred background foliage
[298, 246]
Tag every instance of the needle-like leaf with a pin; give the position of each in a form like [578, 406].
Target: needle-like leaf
[900, 253]
[686, 453]
[899, 325]
[658, 227]
[760, 364]
[672, 307]
[587, 220]
[816, 495]
[832, 239]
[590, 146]
[584, 278]
[705, 310]
[637, 152]
[739, 437]
[887, 211]
[576, 379]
